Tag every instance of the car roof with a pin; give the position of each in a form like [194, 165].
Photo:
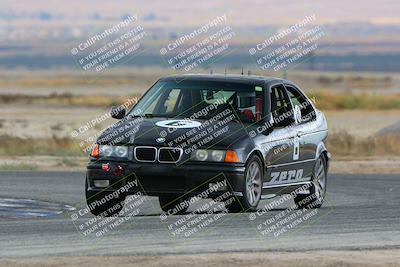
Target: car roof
[252, 79]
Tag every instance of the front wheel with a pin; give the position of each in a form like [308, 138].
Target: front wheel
[315, 197]
[251, 189]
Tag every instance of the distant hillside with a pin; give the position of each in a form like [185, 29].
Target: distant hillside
[322, 62]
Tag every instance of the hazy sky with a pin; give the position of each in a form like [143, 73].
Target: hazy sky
[181, 12]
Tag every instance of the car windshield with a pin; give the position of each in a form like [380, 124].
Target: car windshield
[202, 100]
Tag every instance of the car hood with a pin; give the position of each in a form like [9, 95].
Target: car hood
[175, 133]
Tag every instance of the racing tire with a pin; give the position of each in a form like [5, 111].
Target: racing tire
[315, 197]
[252, 188]
[170, 203]
[95, 199]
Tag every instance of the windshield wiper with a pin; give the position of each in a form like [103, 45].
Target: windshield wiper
[204, 117]
[150, 115]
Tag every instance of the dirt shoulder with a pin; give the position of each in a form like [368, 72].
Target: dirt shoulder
[277, 259]
[366, 165]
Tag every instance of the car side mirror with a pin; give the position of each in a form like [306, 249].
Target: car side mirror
[117, 112]
[297, 114]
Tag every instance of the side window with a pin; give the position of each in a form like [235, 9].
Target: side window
[298, 99]
[155, 100]
[248, 105]
[211, 97]
[281, 107]
[165, 102]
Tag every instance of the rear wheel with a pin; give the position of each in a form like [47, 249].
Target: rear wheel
[251, 189]
[104, 204]
[173, 204]
[315, 197]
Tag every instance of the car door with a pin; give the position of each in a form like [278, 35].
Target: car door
[306, 136]
[279, 143]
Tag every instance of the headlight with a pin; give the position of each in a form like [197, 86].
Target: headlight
[106, 151]
[217, 155]
[208, 155]
[200, 155]
[121, 151]
[112, 151]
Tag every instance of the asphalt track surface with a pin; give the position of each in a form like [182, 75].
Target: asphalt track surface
[361, 212]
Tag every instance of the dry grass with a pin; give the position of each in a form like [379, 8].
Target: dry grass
[323, 258]
[342, 143]
[15, 146]
[18, 167]
[65, 99]
[328, 100]
[357, 81]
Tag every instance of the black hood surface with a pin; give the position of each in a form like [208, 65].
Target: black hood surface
[174, 133]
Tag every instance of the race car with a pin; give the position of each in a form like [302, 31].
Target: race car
[207, 136]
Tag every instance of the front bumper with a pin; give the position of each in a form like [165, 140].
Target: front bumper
[156, 179]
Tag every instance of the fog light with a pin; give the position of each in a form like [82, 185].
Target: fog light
[118, 170]
[101, 183]
[105, 167]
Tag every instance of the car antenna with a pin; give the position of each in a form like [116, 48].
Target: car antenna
[242, 70]
[248, 73]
